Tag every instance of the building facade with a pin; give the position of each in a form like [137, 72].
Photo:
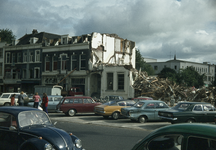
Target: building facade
[201, 68]
[88, 61]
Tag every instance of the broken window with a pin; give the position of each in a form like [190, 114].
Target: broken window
[55, 63]
[120, 81]
[109, 81]
[63, 62]
[74, 61]
[47, 63]
[83, 62]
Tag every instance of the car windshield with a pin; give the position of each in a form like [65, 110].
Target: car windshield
[27, 118]
[182, 106]
[139, 104]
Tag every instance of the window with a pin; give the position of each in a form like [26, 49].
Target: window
[31, 73]
[198, 108]
[55, 63]
[150, 106]
[155, 67]
[0, 69]
[120, 81]
[24, 74]
[74, 62]
[175, 67]
[8, 57]
[25, 57]
[19, 57]
[78, 101]
[47, 63]
[37, 73]
[13, 58]
[83, 62]
[109, 81]
[63, 62]
[1, 52]
[31, 56]
[37, 56]
[87, 100]
[14, 74]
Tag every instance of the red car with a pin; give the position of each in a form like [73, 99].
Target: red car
[76, 104]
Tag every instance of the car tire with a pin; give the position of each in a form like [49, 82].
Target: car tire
[142, 119]
[7, 104]
[106, 117]
[190, 121]
[72, 112]
[115, 115]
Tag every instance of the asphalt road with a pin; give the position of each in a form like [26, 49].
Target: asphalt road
[98, 133]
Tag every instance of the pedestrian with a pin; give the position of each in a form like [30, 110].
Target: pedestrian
[21, 99]
[36, 100]
[45, 102]
[13, 100]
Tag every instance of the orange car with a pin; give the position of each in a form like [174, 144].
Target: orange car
[112, 108]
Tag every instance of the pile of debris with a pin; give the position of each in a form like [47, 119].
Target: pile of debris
[166, 90]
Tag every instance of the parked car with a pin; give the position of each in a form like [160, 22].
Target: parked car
[142, 98]
[189, 112]
[112, 98]
[112, 108]
[144, 110]
[53, 101]
[72, 105]
[185, 136]
[27, 128]
[5, 98]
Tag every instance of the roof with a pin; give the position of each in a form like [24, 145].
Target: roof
[15, 110]
[42, 36]
[150, 101]
[76, 97]
[208, 130]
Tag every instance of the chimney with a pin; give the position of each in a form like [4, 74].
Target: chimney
[34, 31]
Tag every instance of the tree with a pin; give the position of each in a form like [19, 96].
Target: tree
[168, 73]
[6, 35]
[191, 77]
[141, 64]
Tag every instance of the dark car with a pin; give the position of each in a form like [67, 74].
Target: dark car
[184, 136]
[26, 128]
[145, 110]
[189, 112]
[76, 104]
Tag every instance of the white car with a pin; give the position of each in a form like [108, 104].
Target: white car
[5, 98]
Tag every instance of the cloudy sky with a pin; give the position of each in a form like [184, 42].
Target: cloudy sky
[160, 28]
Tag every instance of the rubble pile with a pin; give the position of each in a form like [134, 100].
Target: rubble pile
[166, 90]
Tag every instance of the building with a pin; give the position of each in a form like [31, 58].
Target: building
[201, 68]
[97, 63]
[2, 44]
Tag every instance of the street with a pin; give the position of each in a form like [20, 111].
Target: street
[98, 133]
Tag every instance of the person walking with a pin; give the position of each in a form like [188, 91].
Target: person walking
[21, 99]
[45, 102]
[36, 100]
[13, 100]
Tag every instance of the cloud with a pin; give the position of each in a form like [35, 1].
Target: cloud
[160, 28]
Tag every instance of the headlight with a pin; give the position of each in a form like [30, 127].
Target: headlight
[78, 143]
[48, 147]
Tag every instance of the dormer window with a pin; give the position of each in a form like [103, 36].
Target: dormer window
[33, 40]
[64, 39]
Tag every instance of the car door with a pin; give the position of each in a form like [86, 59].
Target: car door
[51, 103]
[78, 105]
[8, 137]
[5, 97]
[198, 113]
[149, 110]
[88, 105]
[211, 113]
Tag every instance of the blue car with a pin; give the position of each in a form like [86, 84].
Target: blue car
[144, 110]
[26, 128]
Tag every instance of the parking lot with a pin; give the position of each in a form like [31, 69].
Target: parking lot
[99, 120]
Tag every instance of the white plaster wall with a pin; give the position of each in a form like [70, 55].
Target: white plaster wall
[109, 48]
[96, 40]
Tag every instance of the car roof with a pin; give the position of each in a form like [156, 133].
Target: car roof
[77, 97]
[15, 110]
[151, 100]
[207, 130]
[193, 102]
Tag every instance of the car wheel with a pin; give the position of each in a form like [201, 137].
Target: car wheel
[106, 117]
[190, 121]
[115, 115]
[71, 112]
[6, 104]
[142, 119]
